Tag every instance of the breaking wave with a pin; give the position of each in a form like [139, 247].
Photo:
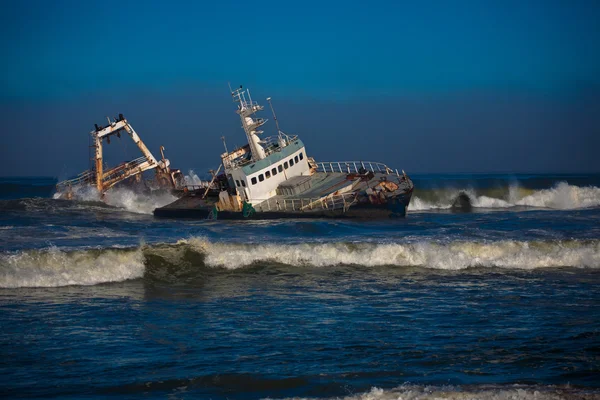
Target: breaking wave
[560, 197]
[55, 267]
[125, 198]
[138, 202]
[449, 256]
[481, 392]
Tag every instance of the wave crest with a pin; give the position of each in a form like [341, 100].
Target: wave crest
[124, 197]
[483, 392]
[53, 267]
[449, 256]
[560, 197]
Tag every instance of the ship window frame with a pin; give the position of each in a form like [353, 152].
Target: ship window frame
[285, 165]
[261, 178]
[280, 168]
[267, 174]
[254, 180]
[301, 156]
[274, 172]
[291, 162]
[243, 183]
[237, 183]
[296, 159]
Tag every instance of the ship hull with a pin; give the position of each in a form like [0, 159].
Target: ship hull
[395, 207]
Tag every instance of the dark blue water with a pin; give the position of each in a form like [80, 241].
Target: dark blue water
[105, 301]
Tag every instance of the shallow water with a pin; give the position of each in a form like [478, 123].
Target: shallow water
[102, 301]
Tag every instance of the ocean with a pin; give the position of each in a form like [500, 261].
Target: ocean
[502, 301]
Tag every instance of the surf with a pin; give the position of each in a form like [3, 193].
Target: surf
[53, 267]
[562, 196]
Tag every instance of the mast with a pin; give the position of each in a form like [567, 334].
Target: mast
[98, 157]
[247, 110]
[279, 135]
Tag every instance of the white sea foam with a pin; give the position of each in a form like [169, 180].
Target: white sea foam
[417, 204]
[54, 267]
[447, 256]
[507, 392]
[126, 198]
[138, 202]
[561, 197]
[564, 197]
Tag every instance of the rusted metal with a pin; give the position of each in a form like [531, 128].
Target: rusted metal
[104, 180]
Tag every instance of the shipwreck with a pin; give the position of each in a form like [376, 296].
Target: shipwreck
[102, 178]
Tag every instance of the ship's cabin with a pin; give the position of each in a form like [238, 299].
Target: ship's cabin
[259, 180]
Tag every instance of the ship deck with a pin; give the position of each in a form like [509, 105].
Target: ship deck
[331, 186]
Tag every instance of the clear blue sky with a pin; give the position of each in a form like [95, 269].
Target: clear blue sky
[429, 86]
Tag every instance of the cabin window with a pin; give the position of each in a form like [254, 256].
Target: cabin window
[285, 165]
[254, 181]
[291, 162]
[243, 183]
[237, 183]
[261, 178]
[274, 171]
[267, 174]
[301, 156]
[280, 168]
[296, 159]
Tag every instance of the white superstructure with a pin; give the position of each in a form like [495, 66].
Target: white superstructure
[257, 169]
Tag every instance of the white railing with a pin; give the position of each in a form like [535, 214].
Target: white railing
[336, 202]
[353, 167]
[89, 177]
[269, 143]
[84, 177]
[202, 186]
[123, 170]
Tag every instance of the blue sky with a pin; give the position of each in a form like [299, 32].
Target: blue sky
[464, 86]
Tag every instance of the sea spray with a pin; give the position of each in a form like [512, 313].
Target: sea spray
[560, 197]
[143, 203]
[124, 197]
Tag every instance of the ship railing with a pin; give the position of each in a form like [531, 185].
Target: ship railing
[124, 170]
[332, 202]
[271, 143]
[354, 167]
[89, 177]
[203, 185]
[239, 163]
[83, 178]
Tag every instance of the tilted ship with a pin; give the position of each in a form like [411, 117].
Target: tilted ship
[103, 179]
[274, 178]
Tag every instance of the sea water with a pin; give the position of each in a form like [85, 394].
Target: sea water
[502, 301]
